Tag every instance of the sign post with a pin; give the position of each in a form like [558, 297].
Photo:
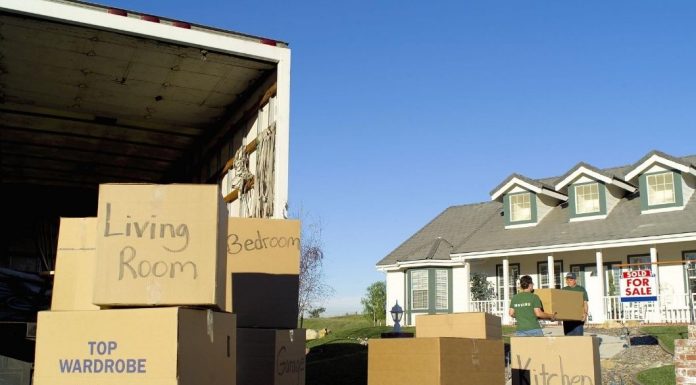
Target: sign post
[638, 285]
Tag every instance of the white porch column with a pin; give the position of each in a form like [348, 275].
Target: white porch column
[656, 270]
[467, 279]
[506, 290]
[597, 309]
[552, 273]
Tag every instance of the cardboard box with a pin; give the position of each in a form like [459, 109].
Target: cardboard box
[263, 266]
[555, 360]
[73, 281]
[463, 325]
[153, 346]
[160, 245]
[270, 357]
[435, 361]
[567, 304]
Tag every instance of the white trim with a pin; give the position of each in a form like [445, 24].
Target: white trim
[595, 175]
[514, 181]
[528, 186]
[658, 159]
[588, 218]
[663, 210]
[686, 237]
[421, 263]
[531, 224]
[99, 18]
[582, 171]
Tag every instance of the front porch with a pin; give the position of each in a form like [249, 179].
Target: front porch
[667, 309]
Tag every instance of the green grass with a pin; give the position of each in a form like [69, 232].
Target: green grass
[666, 334]
[340, 358]
[658, 376]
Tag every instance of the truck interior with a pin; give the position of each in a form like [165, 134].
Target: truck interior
[82, 106]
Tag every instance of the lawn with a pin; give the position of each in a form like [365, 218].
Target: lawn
[340, 358]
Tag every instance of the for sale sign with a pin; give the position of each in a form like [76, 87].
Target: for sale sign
[638, 285]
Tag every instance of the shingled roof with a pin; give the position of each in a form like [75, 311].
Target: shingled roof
[481, 227]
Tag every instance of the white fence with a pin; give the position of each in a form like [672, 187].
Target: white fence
[667, 309]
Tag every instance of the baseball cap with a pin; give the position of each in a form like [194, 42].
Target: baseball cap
[571, 276]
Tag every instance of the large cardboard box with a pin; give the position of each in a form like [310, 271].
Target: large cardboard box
[73, 281]
[435, 361]
[160, 245]
[567, 304]
[555, 360]
[463, 325]
[270, 356]
[263, 266]
[151, 346]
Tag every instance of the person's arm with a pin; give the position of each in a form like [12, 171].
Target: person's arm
[511, 312]
[542, 315]
[585, 311]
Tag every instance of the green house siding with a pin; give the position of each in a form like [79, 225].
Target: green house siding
[508, 209]
[432, 294]
[643, 188]
[601, 189]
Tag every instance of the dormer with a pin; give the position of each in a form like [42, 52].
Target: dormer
[525, 201]
[592, 193]
[666, 183]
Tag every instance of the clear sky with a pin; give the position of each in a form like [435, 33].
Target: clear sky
[401, 109]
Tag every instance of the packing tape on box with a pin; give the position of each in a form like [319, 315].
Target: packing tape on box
[475, 359]
[209, 316]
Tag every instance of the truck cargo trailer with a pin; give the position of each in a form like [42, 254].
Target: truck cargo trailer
[91, 94]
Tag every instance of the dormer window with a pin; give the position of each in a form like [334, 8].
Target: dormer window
[520, 207]
[660, 189]
[587, 198]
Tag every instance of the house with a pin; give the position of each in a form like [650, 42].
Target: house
[595, 222]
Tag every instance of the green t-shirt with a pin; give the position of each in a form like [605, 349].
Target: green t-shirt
[578, 288]
[524, 304]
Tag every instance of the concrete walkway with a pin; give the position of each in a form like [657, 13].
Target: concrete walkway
[609, 346]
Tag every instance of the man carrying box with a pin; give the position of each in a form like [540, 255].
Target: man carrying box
[575, 328]
[525, 307]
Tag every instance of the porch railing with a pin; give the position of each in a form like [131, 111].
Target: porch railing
[669, 308]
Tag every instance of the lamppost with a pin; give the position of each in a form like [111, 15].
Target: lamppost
[397, 313]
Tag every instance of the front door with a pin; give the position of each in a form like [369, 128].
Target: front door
[588, 278]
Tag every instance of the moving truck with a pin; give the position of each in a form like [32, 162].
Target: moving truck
[92, 94]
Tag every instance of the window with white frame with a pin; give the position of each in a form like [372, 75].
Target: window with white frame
[660, 189]
[419, 289]
[514, 275]
[639, 262]
[441, 289]
[690, 258]
[543, 270]
[520, 207]
[587, 198]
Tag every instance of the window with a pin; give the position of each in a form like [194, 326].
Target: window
[660, 189]
[587, 198]
[543, 271]
[419, 289]
[441, 289]
[520, 207]
[514, 274]
[690, 270]
[639, 262]
[430, 290]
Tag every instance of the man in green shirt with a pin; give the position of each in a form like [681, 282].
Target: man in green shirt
[526, 308]
[575, 328]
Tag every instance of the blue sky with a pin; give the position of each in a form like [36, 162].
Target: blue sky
[401, 109]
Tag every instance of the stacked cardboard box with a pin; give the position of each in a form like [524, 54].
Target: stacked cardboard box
[449, 349]
[263, 266]
[555, 360]
[151, 254]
